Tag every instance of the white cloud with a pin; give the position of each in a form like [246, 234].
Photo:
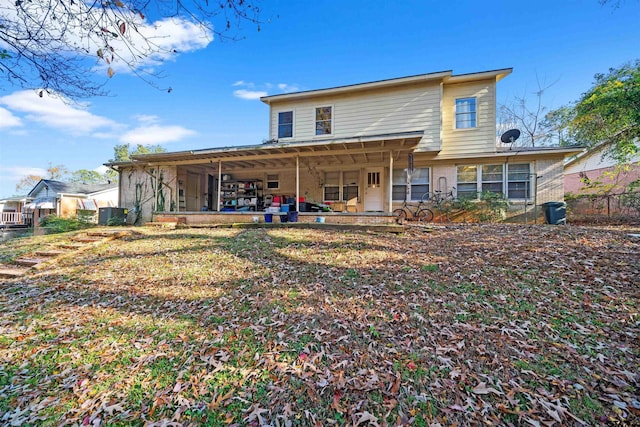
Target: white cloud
[147, 118]
[160, 41]
[288, 88]
[101, 169]
[156, 134]
[8, 120]
[249, 94]
[16, 173]
[55, 112]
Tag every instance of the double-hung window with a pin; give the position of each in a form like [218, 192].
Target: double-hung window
[285, 124]
[512, 180]
[419, 183]
[492, 179]
[341, 186]
[519, 181]
[399, 189]
[332, 186]
[273, 182]
[466, 113]
[350, 185]
[467, 182]
[324, 120]
[418, 187]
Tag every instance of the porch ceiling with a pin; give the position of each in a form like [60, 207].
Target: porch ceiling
[282, 155]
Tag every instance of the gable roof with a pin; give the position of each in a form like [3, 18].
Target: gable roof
[59, 187]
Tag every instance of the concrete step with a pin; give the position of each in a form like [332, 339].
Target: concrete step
[71, 246]
[11, 272]
[87, 239]
[29, 262]
[50, 253]
[162, 224]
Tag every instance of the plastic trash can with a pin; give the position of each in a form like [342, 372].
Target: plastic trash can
[555, 212]
[293, 216]
[268, 217]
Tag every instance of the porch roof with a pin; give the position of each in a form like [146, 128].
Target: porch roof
[353, 150]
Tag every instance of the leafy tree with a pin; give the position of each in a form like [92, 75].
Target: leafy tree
[26, 183]
[123, 152]
[55, 45]
[557, 125]
[86, 176]
[53, 172]
[610, 112]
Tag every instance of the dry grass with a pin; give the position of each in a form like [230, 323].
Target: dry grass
[493, 324]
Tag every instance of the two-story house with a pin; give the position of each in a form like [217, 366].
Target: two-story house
[362, 148]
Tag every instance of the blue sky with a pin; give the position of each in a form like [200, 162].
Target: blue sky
[312, 45]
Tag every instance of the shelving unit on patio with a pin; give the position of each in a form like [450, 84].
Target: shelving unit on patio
[241, 195]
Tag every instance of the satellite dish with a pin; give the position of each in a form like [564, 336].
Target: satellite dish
[510, 136]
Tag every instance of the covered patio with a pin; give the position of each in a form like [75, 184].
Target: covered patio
[350, 180]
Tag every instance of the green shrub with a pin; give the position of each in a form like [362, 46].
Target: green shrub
[60, 225]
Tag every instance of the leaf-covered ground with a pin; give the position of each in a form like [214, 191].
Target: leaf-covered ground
[466, 325]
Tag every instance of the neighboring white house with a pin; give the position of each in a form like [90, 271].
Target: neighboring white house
[65, 199]
[368, 145]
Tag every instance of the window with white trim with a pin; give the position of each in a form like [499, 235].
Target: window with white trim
[285, 124]
[519, 181]
[350, 185]
[465, 113]
[324, 120]
[492, 178]
[332, 186]
[399, 186]
[467, 178]
[420, 184]
[514, 180]
[273, 183]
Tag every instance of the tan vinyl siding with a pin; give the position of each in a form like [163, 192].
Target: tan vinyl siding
[480, 139]
[368, 113]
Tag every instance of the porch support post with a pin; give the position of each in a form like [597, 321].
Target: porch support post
[297, 183]
[219, 183]
[390, 187]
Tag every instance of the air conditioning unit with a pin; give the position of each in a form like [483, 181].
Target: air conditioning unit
[112, 216]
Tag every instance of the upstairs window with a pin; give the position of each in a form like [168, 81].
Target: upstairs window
[324, 120]
[285, 124]
[465, 113]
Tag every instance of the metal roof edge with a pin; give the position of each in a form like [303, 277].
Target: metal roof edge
[357, 86]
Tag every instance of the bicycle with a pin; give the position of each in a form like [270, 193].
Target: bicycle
[421, 213]
[443, 201]
[438, 197]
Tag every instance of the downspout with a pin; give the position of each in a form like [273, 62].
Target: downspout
[219, 182]
[390, 186]
[297, 183]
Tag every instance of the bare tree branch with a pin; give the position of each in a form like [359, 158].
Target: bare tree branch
[72, 48]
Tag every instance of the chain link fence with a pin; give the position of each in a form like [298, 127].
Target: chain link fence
[597, 208]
